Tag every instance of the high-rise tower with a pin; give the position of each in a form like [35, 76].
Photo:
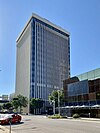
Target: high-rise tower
[43, 58]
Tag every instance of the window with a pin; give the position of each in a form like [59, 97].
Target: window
[98, 95]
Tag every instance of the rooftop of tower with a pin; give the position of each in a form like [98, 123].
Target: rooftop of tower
[43, 20]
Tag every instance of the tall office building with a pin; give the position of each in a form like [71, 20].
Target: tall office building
[43, 58]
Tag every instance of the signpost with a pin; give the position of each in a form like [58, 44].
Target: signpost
[10, 120]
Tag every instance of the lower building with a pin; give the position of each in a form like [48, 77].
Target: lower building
[3, 99]
[82, 93]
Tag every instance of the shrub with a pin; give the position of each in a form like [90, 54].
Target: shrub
[57, 116]
[76, 116]
[63, 117]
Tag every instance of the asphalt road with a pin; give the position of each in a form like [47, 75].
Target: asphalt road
[39, 124]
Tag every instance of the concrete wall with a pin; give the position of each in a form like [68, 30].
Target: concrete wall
[23, 64]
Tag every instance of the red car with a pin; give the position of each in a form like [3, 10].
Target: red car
[13, 118]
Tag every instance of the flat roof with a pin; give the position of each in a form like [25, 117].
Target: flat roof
[43, 20]
[94, 70]
[92, 74]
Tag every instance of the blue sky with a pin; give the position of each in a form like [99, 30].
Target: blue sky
[80, 17]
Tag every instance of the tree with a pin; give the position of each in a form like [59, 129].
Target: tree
[54, 96]
[23, 101]
[35, 103]
[1, 107]
[19, 102]
[15, 103]
[8, 106]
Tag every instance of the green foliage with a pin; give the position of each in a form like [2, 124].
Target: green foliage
[15, 104]
[1, 107]
[57, 116]
[54, 96]
[35, 103]
[7, 106]
[76, 116]
[23, 101]
[19, 102]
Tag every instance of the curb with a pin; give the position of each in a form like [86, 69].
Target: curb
[90, 119]
[85, 119]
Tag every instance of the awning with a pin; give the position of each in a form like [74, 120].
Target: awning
[96, 106]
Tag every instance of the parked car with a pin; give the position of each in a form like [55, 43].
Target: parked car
[7, 118]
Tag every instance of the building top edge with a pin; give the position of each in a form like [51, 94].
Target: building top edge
[86, 72]
[50, 23]
[21, 33]
[43, 20]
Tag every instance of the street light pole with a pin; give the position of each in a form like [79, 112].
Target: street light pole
[62, 72]
[54, 107]
[58, 103]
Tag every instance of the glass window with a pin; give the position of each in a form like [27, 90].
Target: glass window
[91, 75]
[79, 77]
[92, 96]
[78, 88]
[84, 76]
[97, 73]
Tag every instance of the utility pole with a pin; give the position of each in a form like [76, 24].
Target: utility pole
[54, 107]
[58, 103]
[10, 120]
[10, 127]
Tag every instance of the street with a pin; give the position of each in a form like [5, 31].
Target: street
[40, 124]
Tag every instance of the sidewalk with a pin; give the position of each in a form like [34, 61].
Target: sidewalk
[91, 119]
[3, 129]
[88, 119]
[81, 118]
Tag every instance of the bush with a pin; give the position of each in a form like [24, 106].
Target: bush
[57, 116]
[63, 117]
[76, 116]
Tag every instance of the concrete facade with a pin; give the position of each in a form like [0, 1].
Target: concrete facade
[23, 64]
